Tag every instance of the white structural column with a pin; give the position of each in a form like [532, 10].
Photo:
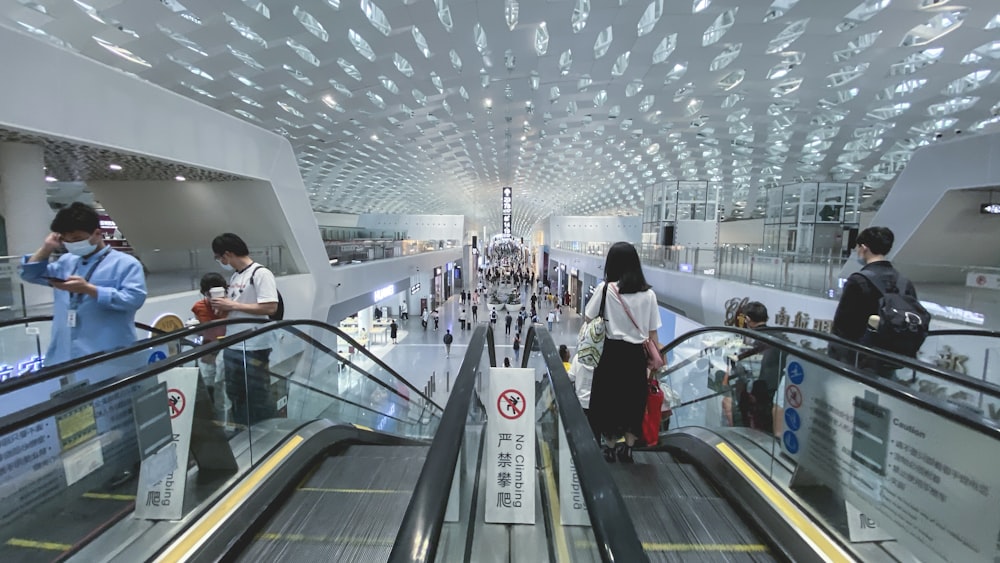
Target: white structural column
[25, 209]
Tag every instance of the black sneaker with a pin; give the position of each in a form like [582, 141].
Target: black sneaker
[624, 453]
[609, 453]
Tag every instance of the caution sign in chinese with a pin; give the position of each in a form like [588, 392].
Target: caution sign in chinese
[510, 449]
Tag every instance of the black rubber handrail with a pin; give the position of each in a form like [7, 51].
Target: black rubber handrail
[25, 320]
[48, 318]
[964, 332]
[41, 411]
[610, 520]
[58, 370]
[327, 350]
[892, 358]
[955, 413]
[65, 368]
[420, 530]
[375, 359]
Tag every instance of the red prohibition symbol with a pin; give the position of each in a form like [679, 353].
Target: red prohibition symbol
[176, 401]
[510, 404]
[794, 396]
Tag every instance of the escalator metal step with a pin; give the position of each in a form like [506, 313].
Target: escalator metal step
[348, 509]
[679, 516]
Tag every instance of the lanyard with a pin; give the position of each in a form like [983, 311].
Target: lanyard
[76, 298]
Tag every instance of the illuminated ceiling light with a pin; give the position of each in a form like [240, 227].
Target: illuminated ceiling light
[115, 167]
[51, 179]
[123, 52]
[179, 178]
[937, 27]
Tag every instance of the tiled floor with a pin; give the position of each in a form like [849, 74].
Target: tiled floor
[420, 354]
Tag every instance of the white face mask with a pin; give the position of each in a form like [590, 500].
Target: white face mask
[80, 248]
[225, 267]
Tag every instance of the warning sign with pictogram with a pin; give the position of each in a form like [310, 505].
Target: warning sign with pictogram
[793, 396]
[510, 447]
[511, 404]
[177, 402]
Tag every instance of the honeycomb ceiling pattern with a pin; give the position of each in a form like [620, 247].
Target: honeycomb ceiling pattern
[431, 106]
[67, 161]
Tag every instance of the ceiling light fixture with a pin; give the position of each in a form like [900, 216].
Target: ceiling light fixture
[115, 167]
[179, 178]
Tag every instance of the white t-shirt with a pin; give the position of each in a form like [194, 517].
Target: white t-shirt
[619, 327]
[262, 290]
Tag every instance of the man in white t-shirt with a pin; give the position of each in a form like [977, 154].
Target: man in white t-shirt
[252, 294]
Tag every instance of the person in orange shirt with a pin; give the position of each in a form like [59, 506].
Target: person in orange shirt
[204, 312]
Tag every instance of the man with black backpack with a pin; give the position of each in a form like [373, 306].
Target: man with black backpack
[879, 290]
[252, 293]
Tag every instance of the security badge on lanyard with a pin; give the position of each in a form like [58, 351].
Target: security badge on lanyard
[76, 298]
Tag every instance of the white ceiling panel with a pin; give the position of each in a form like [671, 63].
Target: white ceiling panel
[430, 106]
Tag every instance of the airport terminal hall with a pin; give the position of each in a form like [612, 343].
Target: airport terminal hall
[495, 281]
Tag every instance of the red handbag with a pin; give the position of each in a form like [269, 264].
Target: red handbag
[654, 416]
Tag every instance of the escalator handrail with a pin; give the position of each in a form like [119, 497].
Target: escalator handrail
[610, 520]
[364, 350]
[964, 332]
[25, 320]
[327, 350]
[58, 370]
[955, 413]
[891, 357]
[65, 368]
[48, 318]
[420, 529]
[41, 411]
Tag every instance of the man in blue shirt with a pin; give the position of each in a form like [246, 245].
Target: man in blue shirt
[97, 289]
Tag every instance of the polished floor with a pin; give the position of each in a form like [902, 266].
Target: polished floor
[420, 354]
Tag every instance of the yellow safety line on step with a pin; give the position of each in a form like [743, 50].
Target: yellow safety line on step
[51, 546]
[820, 540]
[358, 491]
[704, 547]
[562, 550]
[108, 496]
[270, 536]
[182, 549]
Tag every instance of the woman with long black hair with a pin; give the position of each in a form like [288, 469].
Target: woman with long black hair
[631, 315]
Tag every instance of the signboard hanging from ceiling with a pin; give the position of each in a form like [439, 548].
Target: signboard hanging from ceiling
[507, 206]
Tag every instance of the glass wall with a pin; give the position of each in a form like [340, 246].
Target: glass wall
[812, 218]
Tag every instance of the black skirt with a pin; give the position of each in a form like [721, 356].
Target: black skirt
[618, 393]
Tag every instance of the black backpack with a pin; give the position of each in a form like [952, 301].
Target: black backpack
[448, 338]
[903, 321]
[279, 313]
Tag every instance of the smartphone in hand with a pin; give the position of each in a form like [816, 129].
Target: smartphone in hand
[54, 279]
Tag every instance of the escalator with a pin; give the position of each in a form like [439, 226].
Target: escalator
[347, 468]
[678, 513]
[697, 498]
[829, 442]
[347, 508]
[78, 465]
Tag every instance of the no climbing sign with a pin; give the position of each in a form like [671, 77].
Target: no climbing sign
[510, 403]
[510, 447]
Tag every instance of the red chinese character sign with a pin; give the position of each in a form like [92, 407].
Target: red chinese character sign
[510, 484]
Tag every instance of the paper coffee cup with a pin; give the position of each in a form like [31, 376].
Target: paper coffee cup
[217, 292]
